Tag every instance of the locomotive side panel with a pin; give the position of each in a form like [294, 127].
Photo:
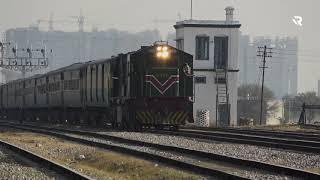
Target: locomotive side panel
[186, 71]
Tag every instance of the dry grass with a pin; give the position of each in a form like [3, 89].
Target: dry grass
[314, 170]
[98, 163]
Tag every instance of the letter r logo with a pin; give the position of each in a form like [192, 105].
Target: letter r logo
[297, 20]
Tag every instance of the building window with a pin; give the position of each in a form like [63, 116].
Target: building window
[200, 80]
[220, 52]
[180, 44]
[202, 48]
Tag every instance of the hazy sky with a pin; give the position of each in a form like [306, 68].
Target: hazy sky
[258, 17]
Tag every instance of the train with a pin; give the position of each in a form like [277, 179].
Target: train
[150, 87]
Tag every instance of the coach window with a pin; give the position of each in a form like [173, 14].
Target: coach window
[200, 80]
[202, 47]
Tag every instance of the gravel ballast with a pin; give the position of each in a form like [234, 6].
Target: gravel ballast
[292, 159]
[250, 173]
[16, 167]
[288, 158]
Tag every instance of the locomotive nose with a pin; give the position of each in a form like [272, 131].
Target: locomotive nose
[165, 112]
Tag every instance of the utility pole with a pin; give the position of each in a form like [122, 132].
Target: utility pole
[263, 52]
[80, 20]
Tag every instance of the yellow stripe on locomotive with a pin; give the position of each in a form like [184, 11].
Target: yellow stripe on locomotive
[154, 118]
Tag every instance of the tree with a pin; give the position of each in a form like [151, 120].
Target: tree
[293, 106]
[249, 103]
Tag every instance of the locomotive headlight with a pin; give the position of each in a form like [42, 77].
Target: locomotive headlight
[159, 54]
[165, 48]
[162, 52]
[165, 54]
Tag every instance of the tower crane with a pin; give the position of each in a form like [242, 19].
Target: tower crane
[80, 20]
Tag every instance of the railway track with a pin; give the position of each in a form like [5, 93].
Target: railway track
[65, 171]
[204, 157]
[251, 138]
[307, 136]
[312, 126]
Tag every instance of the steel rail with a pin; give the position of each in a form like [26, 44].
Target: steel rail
[295, 145]
[216, 157]
[63, 170]
[148, 156]
[315, 140]
[309, 136]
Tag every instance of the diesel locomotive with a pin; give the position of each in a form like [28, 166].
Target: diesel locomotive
[150, 87]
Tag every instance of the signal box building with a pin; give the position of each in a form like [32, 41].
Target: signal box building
[214, 45]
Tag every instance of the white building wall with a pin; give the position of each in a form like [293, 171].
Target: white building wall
[318, 87]
[233, 97]
[205, 94]
[189, 34]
